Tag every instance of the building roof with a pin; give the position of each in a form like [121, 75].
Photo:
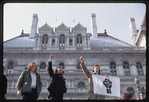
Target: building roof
[144, 21]
[101, 41]
[20, 41]
[108, 41]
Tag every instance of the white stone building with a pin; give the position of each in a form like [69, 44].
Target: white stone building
[115, 57]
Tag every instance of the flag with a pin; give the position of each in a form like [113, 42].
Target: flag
[108, 86]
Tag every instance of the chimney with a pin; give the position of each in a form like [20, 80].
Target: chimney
[93, 26]
[132, 29]
[34, 26]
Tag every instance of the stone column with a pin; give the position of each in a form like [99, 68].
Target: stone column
[89, 43]
[67, 43]
[39, 43]
[49, 43]
[120, 71]
[133, 70]
[144, 70]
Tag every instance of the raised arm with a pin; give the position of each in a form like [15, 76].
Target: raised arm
[85, 70]
[50, 70]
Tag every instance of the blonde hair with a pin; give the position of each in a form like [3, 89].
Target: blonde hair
[96, 65]
[30, 66]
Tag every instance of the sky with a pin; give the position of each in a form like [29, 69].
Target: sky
[114, 17]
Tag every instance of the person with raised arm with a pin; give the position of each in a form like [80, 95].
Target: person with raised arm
[95, 70]
[57, 87]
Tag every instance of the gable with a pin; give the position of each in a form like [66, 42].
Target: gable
[62, 27]
[45, 27]
[79, 27]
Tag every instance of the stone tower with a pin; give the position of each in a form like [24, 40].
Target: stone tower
[93, 25]
[34, 26]
[133, 30]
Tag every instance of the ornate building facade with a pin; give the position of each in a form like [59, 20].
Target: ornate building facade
[115, 57]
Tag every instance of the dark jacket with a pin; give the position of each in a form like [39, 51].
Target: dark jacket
[57, 86]
[25, 79]
[4, 84]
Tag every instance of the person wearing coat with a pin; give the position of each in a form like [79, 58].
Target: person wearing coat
[95, 70]
[57, 87]
[29, 83]
[4, 84]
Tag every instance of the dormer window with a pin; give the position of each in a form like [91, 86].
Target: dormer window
[79, 40]
[44, 41]
[70, 41]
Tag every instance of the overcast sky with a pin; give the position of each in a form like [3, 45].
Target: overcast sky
[113, 17]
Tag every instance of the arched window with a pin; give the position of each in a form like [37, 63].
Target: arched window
[81, 85]
[78, 66]
[70, 42]
[62, 64]
[62, 40]
[139, 68]
[42, 65]
[113, 69]
[79, 40]
[129, 89]
[53, 42]
[44, 41]
[10, 68]
[126, 68]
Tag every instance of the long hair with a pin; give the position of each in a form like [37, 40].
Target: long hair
[30, 66]
[126, 95]
[96, 65]
[55, 71]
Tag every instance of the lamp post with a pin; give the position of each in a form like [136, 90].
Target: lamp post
[136, 79]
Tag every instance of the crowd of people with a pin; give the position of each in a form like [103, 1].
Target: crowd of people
[29, 83]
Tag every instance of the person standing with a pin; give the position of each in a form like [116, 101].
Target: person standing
[142, 96]
[127, 96]
[29, 83]
[57, 87]
[95, 70]
[4, 84]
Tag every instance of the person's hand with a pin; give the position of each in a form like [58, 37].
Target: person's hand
[5, 97]
[51, 57]
[18, 93]
[106, 75]
[81, 59]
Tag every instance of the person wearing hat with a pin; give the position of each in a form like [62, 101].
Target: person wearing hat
[4, 84]
[95, 70]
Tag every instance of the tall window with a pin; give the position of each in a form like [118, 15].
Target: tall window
[78, 66]
[10, 68]
[53, 42]
[70, 41]
[42, 65]
[62, 64]
[44, 41]
[139, 68]
[113, 69]
[81, 85]
[79, 40]
[62, 40]
[126, 68]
